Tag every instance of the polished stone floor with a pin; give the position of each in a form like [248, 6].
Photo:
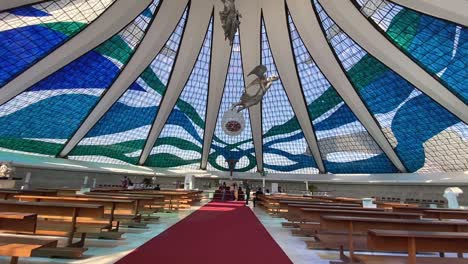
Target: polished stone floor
[108, 251]
[294, 247]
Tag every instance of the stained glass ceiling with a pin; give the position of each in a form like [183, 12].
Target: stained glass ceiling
[366, 111]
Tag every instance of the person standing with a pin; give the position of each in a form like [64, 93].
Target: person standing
[235, 191]
[223, 191]
[257, 195]
[247, 192]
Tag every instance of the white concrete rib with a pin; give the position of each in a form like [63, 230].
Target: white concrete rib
[250, 29]
[307, 25]
[197, 24]
[220, 54]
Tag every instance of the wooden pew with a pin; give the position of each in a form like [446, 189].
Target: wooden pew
[140, 200]
[313, 218]
[277, 204]
[412, 242]
[145, 203]
[22, 223]
[295, 214]
[314, 214]
[6, 194]
[51, 210]
[433, 212]
[342, 231]
[123, 207]
[283, 204]
[446, 214]
[17, 247]
[391, 205]
[173, 200]
[346, 200]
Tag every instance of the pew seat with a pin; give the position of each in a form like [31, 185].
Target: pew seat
[379, 259]
[417, 241]
[346, 229]
[24, 223]
[16, 247]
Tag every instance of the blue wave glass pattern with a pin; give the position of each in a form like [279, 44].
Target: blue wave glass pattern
[344, 143]
[439, 46]
[41, 119]
[27, 34]
[240, 147]
[283, 151]
[181, 139]
[120, 135]
[426, 137]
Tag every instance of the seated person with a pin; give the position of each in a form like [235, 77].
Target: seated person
[257, 193]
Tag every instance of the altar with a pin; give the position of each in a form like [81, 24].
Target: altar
[229, 191]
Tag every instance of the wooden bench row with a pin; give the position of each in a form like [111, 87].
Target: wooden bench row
[65, 213]
[395, 228]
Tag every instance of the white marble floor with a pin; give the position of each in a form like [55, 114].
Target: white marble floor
[294, 247]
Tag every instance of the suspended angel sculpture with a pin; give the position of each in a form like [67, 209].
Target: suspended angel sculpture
[264, 83]
[6, 170]
[230, 19]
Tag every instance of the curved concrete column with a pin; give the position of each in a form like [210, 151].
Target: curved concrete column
[197, 24]
[250, 30]
[307, 24]
[220, 55]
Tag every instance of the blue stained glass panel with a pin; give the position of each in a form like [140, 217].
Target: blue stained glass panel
[344, 143]
[283, 150]
[426, 137]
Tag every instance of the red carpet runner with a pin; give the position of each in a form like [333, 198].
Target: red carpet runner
[221, 233]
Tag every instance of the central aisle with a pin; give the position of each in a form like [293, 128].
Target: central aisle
[216, 233]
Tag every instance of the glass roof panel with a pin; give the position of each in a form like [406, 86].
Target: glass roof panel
[284, 146]
[29, 33]
[345, 145]
[439, 46]
[181, 139]
[41, 119]
[121, 134]
[238, 147]
[426, 136]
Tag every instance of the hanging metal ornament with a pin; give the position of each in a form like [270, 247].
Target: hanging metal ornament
[230, 19]
[233, 123]
[259, 87]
